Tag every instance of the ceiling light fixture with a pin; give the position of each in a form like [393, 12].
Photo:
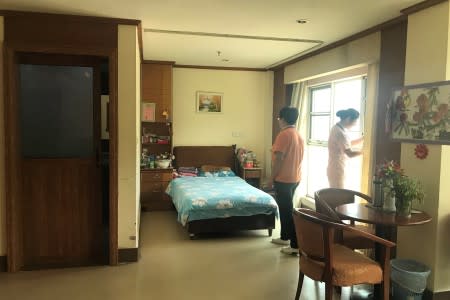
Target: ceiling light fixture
[302, 21]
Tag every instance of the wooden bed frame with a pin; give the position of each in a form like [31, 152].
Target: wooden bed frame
[196, 156]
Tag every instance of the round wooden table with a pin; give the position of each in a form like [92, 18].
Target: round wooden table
[361, 212]
[385, 222]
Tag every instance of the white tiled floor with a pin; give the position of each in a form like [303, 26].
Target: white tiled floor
[244, 265]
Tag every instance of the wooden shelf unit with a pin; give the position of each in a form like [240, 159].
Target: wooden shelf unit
[156, 88]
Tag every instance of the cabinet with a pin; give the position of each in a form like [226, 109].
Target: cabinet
[157, 88]
[153, 186]
[156, 137]
[252, 176]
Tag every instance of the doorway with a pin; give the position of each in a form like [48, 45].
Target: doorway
[64, 218]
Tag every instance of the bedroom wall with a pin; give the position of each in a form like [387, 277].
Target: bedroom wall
[429, 64]
[129, 135]
[247, 109]
[2, 153]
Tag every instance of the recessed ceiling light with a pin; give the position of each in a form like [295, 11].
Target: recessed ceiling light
[302, 21]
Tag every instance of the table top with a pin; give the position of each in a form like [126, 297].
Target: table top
[361, 212]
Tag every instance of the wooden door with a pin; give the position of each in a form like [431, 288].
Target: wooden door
[59, 128]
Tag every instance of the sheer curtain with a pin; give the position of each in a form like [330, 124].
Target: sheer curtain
[299, 100]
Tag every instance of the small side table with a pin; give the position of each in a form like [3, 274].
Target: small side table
[252, 176]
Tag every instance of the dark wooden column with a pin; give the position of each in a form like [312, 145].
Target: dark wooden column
[392, 73]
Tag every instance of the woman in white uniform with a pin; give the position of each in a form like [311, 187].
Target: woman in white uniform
[340, 147]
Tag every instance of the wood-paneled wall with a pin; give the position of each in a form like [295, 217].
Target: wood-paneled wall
[54, 31]
[157, 88]
[391, 74]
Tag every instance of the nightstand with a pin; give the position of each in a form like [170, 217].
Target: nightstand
[252, 176]
[153, 189]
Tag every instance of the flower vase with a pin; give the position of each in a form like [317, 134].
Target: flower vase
[403, 208]
[389, 203]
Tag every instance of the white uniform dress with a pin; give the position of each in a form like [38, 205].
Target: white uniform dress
[338, 142]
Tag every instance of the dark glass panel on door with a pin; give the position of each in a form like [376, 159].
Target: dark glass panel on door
[56, 109]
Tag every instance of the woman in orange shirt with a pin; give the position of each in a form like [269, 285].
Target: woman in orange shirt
[287, 155]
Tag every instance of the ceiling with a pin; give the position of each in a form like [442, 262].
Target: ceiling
[231, 33]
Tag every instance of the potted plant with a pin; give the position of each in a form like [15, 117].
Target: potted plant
[407, 190]
[385, 175]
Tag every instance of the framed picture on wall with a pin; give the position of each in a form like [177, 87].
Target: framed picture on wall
[209, 102]
[420, 113]
[148, 112]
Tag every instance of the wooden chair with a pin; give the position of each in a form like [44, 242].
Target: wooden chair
[326, 202]
[323, 260]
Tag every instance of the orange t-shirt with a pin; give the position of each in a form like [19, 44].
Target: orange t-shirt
[290, 144]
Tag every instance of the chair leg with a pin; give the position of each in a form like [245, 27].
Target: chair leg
[386, 291]
[328, 291]
[338, 289]
[299, 285]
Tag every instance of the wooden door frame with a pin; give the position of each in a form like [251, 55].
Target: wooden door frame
[14, 228]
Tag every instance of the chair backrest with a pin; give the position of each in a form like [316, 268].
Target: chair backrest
[314, 233]
[334, 197]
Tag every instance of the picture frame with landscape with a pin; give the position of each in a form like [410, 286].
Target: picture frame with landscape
[209, 102]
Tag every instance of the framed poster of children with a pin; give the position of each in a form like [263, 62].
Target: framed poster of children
[420, 113]
[148, 112]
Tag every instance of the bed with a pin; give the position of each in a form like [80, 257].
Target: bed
[218, 204]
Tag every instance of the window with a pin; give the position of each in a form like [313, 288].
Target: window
[324, 101]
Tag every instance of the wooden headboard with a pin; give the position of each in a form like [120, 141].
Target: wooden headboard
[196, 156]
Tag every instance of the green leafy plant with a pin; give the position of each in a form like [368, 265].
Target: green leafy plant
[408, 190]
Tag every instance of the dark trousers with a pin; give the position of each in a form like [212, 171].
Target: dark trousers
[284, 195]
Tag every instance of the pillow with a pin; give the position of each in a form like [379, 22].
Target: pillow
[223, 173]
[187, 171]
[212, 168]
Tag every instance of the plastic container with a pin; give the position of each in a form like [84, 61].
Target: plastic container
[401, 293]
[378, 193]
[409, 278]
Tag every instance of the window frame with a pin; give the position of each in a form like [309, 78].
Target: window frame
[311, 114]
[331, 84]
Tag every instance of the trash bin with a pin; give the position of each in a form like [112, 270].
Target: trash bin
[408, 279]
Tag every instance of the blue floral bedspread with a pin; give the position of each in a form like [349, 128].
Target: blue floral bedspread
[198, 198]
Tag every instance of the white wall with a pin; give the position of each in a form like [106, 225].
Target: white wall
[2, 152]
[427, 57]
[363, 51]
[138, 136]
[426, 54]
[247, 109]
[129, 135]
